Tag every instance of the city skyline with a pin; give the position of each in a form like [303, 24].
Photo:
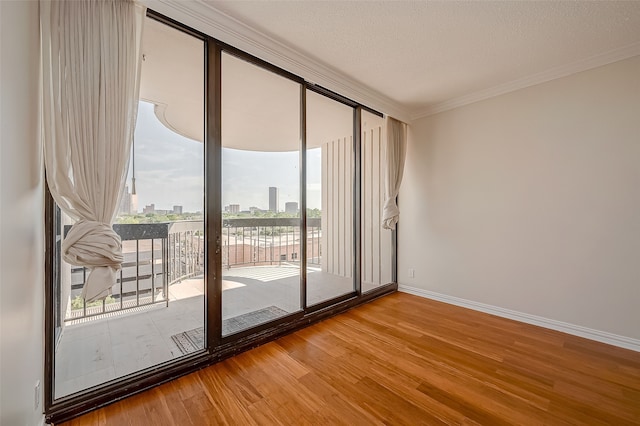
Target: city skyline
[170, 171]
[289, 207]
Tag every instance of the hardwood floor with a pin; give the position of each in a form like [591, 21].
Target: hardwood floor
[402, 360]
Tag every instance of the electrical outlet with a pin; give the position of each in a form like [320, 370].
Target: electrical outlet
[36, 396]
[412, 273]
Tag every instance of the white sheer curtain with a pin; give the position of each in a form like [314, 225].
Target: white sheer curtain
[90, 71]
[395, 151]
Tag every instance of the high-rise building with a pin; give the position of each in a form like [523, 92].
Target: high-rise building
[177, 209]
[234, 208]
[273, 199]
[291, 207]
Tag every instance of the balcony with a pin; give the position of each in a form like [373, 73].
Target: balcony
[159, 255]
[160, 292]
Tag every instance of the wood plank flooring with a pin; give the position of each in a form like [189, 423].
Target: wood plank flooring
[402, 360]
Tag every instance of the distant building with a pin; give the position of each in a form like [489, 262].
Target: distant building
[291, 207]
[177, 209]
[151, 208]
[254, 210]
[273, 199]
[232, 208]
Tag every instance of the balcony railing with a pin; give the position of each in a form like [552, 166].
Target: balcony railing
[268, 241]
[157, 255]
[185, 250]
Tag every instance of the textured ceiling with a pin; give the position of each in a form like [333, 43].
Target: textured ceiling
[422, 54]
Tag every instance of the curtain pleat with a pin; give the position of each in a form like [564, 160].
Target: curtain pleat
[91, 59]
[395, 150]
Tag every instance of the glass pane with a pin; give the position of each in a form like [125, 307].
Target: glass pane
[329, 198]
[260, 195]
[156, 310]
[376, 242]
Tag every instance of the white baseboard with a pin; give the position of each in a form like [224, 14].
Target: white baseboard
[576, 330]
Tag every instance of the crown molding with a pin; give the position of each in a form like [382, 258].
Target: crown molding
[595, 61]
[207, 19]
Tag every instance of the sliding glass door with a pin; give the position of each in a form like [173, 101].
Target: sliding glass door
[330, 196]
[261, 238]
[155, 312]
[376, 243]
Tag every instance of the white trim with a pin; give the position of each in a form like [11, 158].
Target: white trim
[576, 330]
[41, 422]
[599, 60]
[206, 18]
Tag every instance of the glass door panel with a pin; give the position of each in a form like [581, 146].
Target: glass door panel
[156, 310]
[376, 242]
[260, 196]
[330, 162]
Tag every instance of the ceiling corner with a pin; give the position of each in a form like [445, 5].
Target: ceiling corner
[595, 61]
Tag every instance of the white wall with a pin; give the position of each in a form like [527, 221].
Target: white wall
[21, 217]
[530, 201]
